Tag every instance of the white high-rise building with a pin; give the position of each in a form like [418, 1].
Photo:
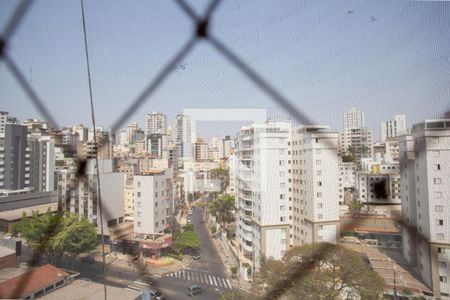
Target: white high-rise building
[152, 201]
[392, 128]
[353, 119]
[262, 192]
[356, 140]
[183, 136]
[315, 198]
[425, 193]
[156, 123]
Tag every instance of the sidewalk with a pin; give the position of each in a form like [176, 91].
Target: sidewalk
[228, 260]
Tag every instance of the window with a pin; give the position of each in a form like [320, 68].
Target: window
[440, 236]
[442, 265]
[319, 194]
[281, 162]
[438, 208]
[138, 204]
[139, 214]
[156, 224]
[138, 184]
[318, 162]
[320, 216]
[281, 196]
[319, 183]
[156, 203]
[138, 224]
[319, 205]
[437, 167]
[138, 194]
[282, 185]
[443, 279]
[282, 207]
[438, 195]
[440, 222]
[282, 219]
[437, 181]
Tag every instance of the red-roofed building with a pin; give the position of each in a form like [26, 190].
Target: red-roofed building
[34, 283]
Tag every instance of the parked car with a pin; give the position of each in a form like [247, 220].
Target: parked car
[194, 290]
[196, 255]
[156, 295]
[189, 221]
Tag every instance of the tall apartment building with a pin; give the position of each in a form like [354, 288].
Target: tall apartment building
[155, 144]
[156, 123]
[262, 192]
[15, 158]
[314, 170]
[392, 128]
[80, 195]
[42, 163]
[183, 136]
[131, 128]
[153, 207]
[356, 139]
[353, 119]
[425, 192]
[201, 150]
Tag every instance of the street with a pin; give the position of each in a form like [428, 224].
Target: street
[208, 271]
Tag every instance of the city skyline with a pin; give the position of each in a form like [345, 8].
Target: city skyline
[324, 74]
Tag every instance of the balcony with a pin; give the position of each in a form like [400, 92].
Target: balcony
[245, 227]
[246, 247]
[246, 235]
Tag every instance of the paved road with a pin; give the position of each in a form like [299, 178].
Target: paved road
[208, 271]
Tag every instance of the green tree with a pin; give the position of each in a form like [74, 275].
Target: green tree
[186, 240]
[38, 230]
[355, 206]
[332, 272]
[223, 209]
[75, 237]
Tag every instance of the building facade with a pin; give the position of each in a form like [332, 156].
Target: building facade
[314, 170]
[425, 191]
[153, 201]
[262, 192]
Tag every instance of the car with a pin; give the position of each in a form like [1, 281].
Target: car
[189, 221]
[156, 295]
[196, 256]
[194, 290]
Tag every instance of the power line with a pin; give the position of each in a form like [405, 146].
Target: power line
[99, 195]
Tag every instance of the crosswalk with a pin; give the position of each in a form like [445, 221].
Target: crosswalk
[201, 277]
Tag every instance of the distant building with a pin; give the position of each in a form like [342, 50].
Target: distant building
[3, 121]
[356, 140]
[353, 119]
[201, 150]
[347, 174]
[153, 208]
[183, 136]
[392, 128]
[315, 198]
[156, 123]
[425, 192]
[15, 158]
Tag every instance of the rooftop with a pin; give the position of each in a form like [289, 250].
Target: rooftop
[16, 214]
[4, 251]
[87, 290]
[23, 285]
